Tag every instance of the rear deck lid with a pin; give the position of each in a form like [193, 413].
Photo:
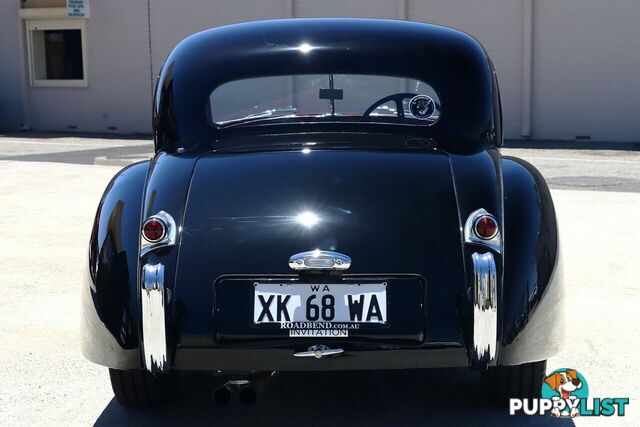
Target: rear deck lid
[392, 212]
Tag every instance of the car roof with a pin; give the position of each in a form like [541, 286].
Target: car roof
[451, 61]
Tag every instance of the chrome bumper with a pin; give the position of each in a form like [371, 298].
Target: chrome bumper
[153, 321]
[485, 309]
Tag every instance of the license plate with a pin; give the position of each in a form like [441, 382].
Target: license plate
[320, 309]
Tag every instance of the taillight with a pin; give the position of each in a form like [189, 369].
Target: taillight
[481, 228]
[485, 227]
[158, 231]
[154, 230]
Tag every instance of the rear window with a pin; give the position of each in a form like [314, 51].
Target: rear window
[343, 97]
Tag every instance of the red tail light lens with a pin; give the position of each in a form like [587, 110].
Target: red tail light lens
[154, 230]
[486, 227]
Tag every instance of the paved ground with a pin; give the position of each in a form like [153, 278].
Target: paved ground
[49, 189]
[568, 166]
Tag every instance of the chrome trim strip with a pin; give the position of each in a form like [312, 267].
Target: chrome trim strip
[169, 238]
[470, 236]
[319, 260]
[319, 351]
[485, 308]
[154, 335]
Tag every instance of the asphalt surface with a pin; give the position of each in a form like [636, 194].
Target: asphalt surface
[49, 190]
[566, 165]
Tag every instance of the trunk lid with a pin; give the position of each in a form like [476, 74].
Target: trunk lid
[392, 212]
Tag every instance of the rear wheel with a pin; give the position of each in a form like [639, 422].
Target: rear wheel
[139, 388]
[519, 381]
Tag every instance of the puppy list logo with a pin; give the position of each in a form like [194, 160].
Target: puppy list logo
[565, 393]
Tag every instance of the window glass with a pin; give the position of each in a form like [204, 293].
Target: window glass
[63, 53]
[341, 96]
[58, 54]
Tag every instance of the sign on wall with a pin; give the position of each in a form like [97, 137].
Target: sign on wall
[78, 8]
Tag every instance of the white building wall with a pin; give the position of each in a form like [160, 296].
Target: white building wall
[119, 90]
[587, 69]
[497, 24]
[172, 21]
[349, 9]
[586, 57]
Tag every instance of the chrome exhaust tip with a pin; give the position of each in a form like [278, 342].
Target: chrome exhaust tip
[230, 391]
[246, 391]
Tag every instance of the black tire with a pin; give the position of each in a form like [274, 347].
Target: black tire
[519, 381]
[140, 389]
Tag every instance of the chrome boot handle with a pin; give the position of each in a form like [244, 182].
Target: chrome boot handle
[319, 260]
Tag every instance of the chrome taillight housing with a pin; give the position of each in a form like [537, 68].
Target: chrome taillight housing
[158, 231]
[482, 228]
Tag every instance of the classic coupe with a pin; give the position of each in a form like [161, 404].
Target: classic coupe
[326, 194]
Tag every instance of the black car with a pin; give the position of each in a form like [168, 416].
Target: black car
[326, 194]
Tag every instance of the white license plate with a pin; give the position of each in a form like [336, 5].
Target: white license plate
[287, 303]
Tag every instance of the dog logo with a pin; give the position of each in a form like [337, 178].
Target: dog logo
[565, 387]
[565, 394]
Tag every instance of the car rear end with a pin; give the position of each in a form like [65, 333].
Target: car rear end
[315, 202]
[286, 250]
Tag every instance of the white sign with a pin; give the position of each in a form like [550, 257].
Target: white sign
[310, 306]
[78, 8]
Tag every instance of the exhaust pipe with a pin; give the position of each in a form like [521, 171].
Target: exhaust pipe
[248, 395]
[229, 391]
[223, 395]
[247, 391]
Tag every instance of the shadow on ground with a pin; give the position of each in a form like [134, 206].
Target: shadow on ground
[571, 145]
[63, 134]
[87, 157]
[402, 398]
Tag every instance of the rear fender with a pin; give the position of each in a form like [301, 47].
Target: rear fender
[477, 180]
[533, 291]
[166, 191]
[110, 309]
[111, 303]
